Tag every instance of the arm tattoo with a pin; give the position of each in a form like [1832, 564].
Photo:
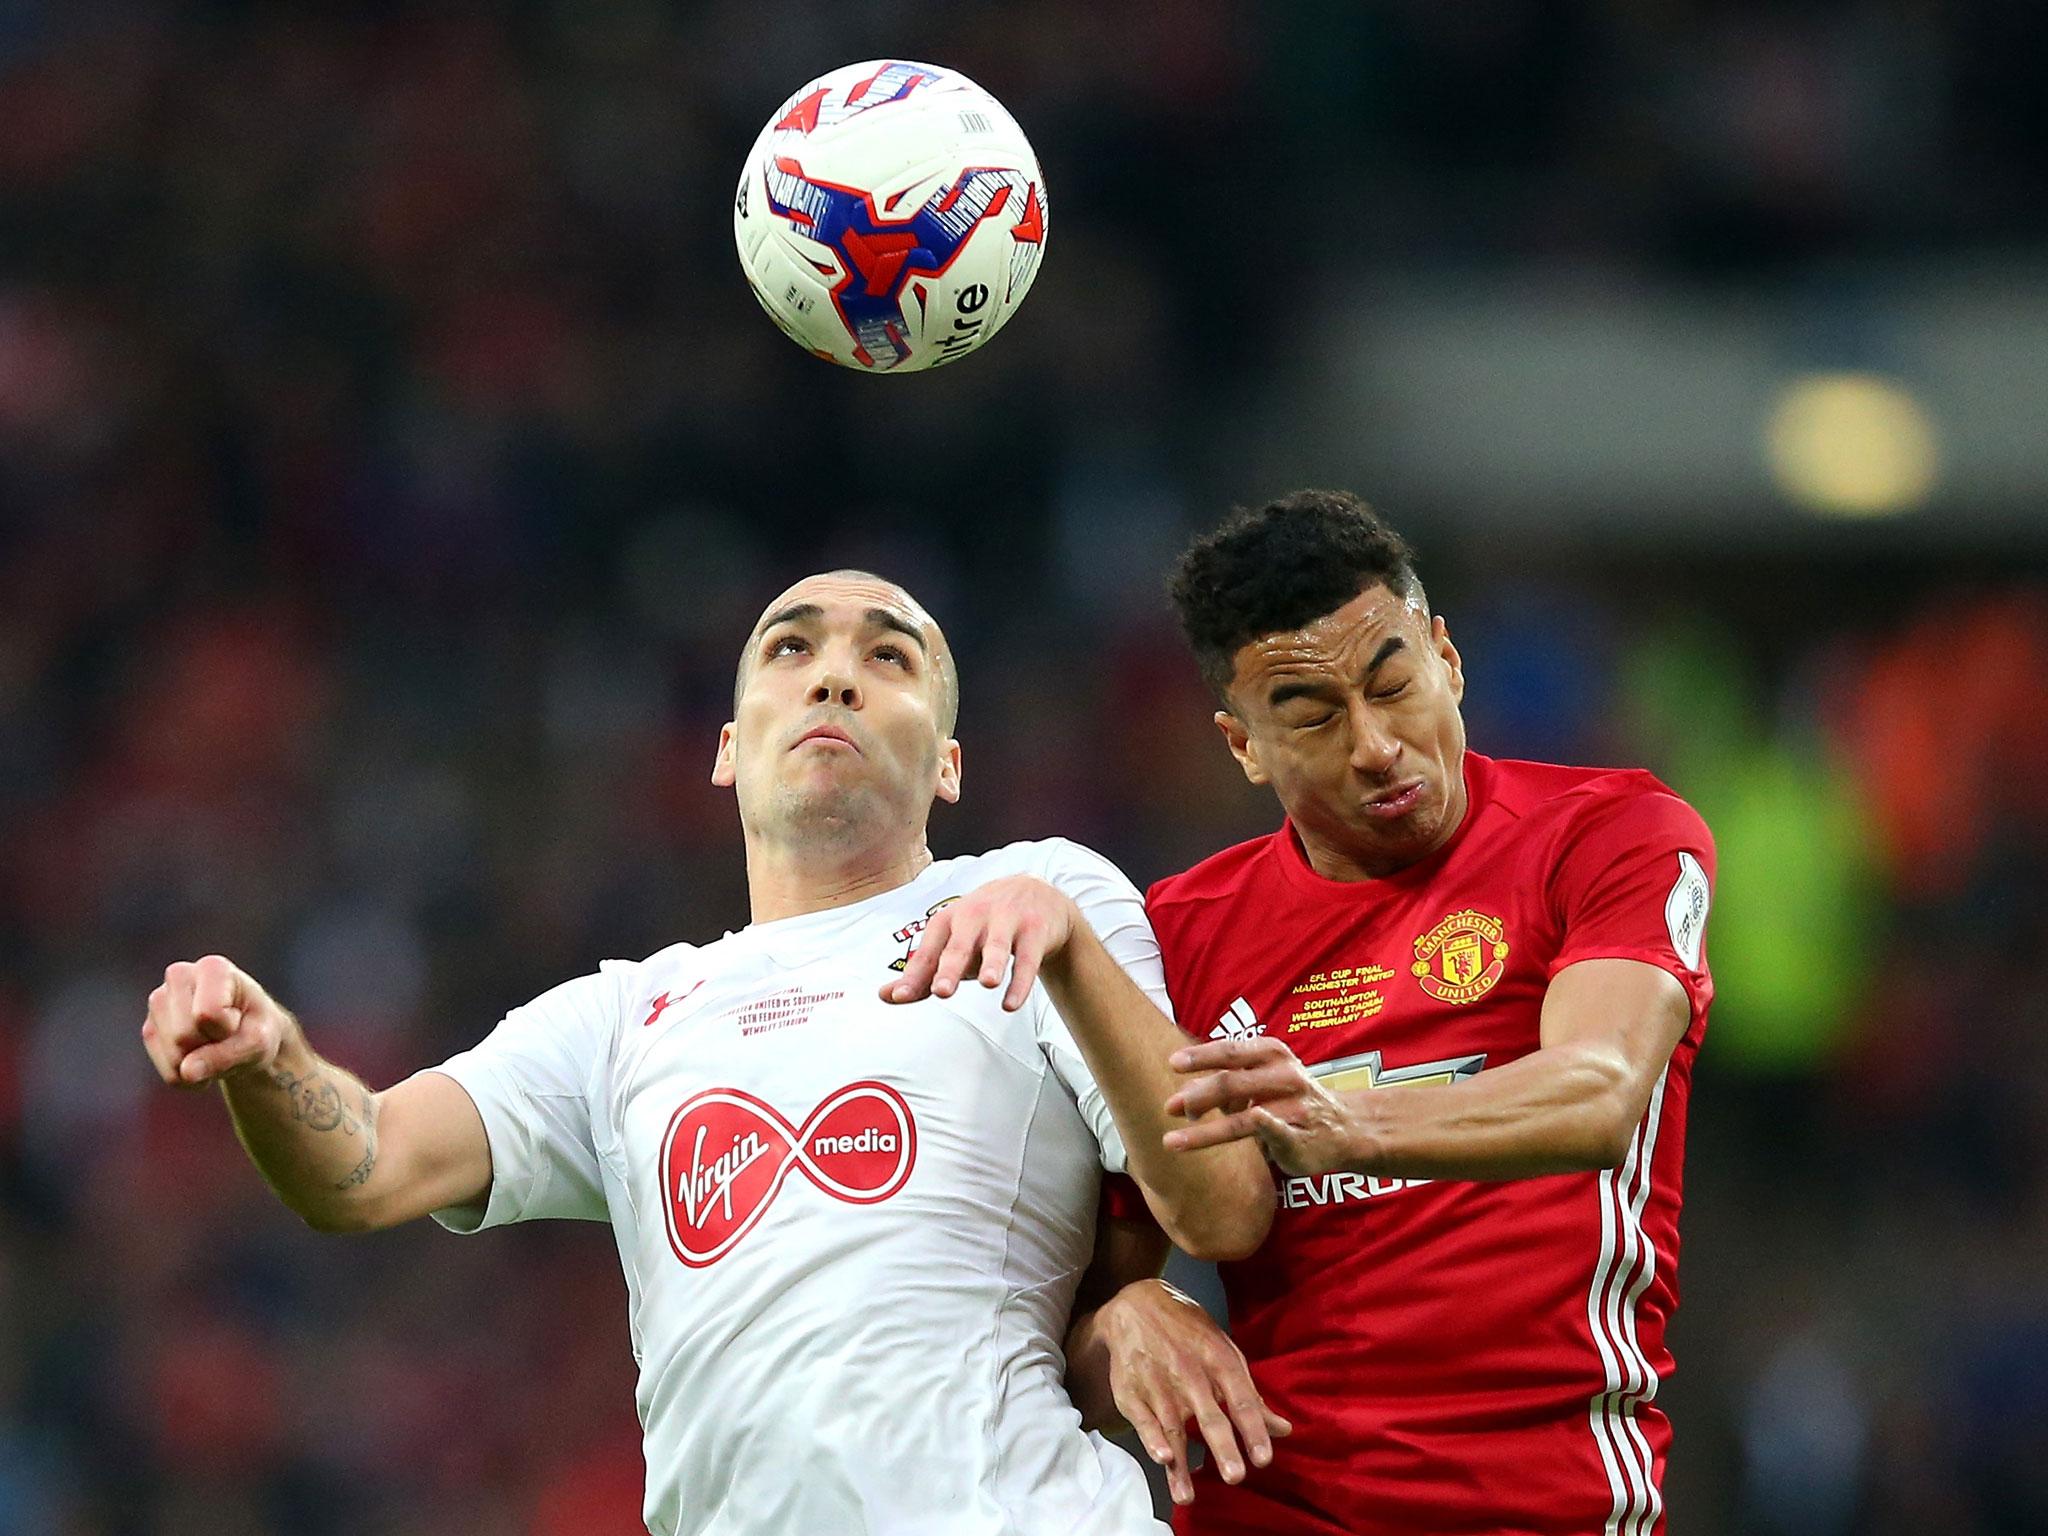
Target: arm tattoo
[317, 1104]
[361, 1171]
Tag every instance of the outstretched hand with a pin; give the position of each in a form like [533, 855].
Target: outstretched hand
[1263, 1090]
[1012, 926]
[1169, 1365]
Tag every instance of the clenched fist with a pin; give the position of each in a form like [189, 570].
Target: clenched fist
[210, 1018]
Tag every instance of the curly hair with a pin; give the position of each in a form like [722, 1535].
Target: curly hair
[1280, 567]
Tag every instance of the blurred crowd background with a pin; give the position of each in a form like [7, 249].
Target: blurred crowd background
[392, 460]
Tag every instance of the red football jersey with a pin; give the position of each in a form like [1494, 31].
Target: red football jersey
[1456, 1356]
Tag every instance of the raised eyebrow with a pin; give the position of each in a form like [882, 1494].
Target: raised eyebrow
[888, 618]
[877, 618]
[793, 614]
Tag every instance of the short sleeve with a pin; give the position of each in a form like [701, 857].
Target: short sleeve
[1116, 912]
[1634, 881]
[530, 1080]
[1181, 942]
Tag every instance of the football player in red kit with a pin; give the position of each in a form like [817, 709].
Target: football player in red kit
[1457, 999]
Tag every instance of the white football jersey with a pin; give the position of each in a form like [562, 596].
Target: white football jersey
[851, 1229]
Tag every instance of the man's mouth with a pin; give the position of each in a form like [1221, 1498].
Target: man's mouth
[1398, 801]
[831, 736]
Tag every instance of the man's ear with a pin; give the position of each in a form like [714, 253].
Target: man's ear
[1239, 740]
[722, 773]
[1440, 634]
[949, 772]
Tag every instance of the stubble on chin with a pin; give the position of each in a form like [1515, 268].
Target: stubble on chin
[819, 814]
[831, 811]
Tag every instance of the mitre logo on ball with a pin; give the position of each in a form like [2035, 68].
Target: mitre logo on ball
[891, 216]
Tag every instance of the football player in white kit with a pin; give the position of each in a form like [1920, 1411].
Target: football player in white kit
[852, 1191]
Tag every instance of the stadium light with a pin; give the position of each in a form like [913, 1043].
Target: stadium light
[1851, 445]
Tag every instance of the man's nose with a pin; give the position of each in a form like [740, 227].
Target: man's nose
[1374, 748]
[834, 686]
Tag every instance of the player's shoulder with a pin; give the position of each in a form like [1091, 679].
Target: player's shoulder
[1565, 789]
[1219, 877]
[625, 980]
[1049, 858]
[1563, 798]
[666, 958]
[597, 1001]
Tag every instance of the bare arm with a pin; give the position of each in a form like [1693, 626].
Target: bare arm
[344, 1158]
[1608, 1029]
[1215, 1205]
[1125, 1252]
[1144, 1354]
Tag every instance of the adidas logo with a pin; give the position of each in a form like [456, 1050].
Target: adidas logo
[1238, 1023]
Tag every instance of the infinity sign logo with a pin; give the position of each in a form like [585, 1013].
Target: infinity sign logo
[727, 1153]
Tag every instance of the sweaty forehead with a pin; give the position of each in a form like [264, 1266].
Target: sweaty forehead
[855, 594]
[1343, 640]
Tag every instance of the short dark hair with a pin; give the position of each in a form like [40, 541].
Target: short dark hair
[1279, 567]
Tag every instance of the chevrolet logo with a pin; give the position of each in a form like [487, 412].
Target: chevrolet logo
[1346, 1073]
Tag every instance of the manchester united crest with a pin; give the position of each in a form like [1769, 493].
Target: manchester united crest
[1461, 958]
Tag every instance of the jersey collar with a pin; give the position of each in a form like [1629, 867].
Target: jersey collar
[798, 940]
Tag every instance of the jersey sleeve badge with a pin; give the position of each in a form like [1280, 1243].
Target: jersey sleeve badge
[1685, 910]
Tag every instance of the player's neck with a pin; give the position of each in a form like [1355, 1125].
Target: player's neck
[789, 880]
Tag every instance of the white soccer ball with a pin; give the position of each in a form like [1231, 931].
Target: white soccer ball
[891, 216]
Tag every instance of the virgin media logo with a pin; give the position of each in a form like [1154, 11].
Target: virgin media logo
[727, 1154]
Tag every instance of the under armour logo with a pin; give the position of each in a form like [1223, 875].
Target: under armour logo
[665, 1001]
